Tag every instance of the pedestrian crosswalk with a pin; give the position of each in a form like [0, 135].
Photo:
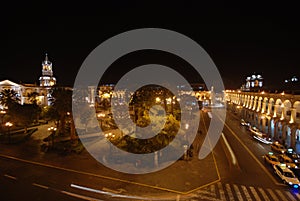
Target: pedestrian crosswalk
[233, 192]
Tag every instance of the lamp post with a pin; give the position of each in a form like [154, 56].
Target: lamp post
[2, 113]
[101, 116]
[110, 137]
[52, 132]
[186, 128]
[8, 125]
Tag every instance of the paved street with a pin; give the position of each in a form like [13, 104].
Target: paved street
[80, 177]
[231, 191]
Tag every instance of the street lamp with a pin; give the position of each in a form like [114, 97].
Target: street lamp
[101, 116]
[110, 138]
[2, 113]
[52, 132]
[8, 125]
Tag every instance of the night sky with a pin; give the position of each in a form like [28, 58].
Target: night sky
[241, 38]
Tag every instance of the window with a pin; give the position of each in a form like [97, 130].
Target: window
[289, 174]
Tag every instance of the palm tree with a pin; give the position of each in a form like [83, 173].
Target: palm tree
[61, 99]
[9, 98]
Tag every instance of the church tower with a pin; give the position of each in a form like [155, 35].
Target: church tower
[47, 79]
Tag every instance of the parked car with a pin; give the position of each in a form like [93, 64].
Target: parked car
[244, 123]
[293, 155]
[260, 136]
[271, 158]
[277, 147]
[286, 175]
[288, 161]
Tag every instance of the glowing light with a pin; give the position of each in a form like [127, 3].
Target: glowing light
[106, 95]
[8, 124]
[52, 128]
[187, 126]
[101, 115]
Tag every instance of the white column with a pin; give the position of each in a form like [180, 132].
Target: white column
[293, 115]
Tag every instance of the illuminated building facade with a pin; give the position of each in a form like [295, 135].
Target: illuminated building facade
[255, 82]
[47, 80]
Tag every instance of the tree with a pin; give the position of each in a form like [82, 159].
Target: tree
[33, 100]
[9, 98]
[24, 114]
[49, 113]
[61, 99]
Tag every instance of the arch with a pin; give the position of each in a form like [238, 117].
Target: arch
[271, 107]
[254, 102]
[265, 105]
[278, 107]
[278, 101]
[296, 106]
[259, 104]
[287, 106]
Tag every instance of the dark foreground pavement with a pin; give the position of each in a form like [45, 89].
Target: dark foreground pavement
[81, 174]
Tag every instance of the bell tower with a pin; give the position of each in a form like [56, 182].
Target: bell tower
[47, 78]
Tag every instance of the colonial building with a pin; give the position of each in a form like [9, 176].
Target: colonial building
[47, 80]
[276, 114]
[253, 83]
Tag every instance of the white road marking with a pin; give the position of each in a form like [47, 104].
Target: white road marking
[275, 198]
[11, 177]
[41, 186]
[248, 197]
[238, 193]
[233, 158]
[112, 194]
[280, 194]
[222, 194]
[290, 195]
[229, 192]
[213, 190]
[255, 194]
[263, 193]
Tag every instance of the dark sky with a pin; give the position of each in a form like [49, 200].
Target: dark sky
[240, 37]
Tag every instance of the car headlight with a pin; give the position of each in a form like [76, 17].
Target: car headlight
[296, 161]
[290, 183]
[282, 151]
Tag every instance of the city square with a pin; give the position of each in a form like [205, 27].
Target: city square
[134, 101]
